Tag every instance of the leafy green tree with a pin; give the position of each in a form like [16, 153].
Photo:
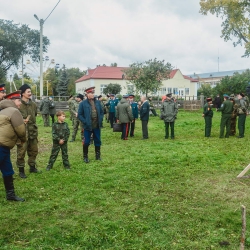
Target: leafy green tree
[235, 15]
[73, 75]
[205, 89]
[62, 86]
[17, 40]
[112, 88]
[113, 64]
[233, 85]
[148, 76]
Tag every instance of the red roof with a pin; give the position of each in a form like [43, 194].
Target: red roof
[103, 72]
[108, 72]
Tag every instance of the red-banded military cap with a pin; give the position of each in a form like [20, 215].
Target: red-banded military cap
[209, 99]
[2, 87]
[90, 90]
[14, 95]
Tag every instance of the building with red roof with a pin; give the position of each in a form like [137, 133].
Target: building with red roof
[101, 76]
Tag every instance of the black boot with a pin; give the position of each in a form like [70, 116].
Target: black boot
[98, 153]
[21, 173]
[33, 169]
[9, 187]
[85, 153]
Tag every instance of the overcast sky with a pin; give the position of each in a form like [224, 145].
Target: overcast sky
[86, 33]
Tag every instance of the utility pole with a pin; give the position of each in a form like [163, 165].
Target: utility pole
[41, 21]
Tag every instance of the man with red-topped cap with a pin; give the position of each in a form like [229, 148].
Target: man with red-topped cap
[2, 91]
[90, 113]
[12, 132]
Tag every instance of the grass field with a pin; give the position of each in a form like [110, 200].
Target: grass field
[145, 194]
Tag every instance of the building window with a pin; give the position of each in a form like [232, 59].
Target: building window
[186, 91]
[163, 91]
[169, 90]
[103, 86]
[175, 91]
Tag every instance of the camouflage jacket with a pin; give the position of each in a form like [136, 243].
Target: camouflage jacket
[30, 109]
[74, 109]
[60, 131]
[44, 106]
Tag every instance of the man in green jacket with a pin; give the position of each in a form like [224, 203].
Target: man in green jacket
[208, 115]
[169, 112]
[44, 109]
[28, 110]
[124, 116]
[226, 113]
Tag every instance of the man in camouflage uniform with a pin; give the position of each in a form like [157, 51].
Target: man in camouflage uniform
[208, 116]
[151, 105]
[44, 109]
[103, 106]
[234, 116]
[60, 136]
[76, 121]
[28, 110]
[242, 113]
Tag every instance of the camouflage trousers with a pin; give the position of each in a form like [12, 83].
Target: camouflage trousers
[233, 126]
[54, 153]
[30, 146]
[76, 124]
[46, 120]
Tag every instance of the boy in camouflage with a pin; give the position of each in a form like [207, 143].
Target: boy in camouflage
[60, 136]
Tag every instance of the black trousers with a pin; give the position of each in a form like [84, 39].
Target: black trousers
[167, 124]
[144, 125]
[111, 118]
[132, 128]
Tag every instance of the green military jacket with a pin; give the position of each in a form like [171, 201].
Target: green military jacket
[60, 131]
[30, 109]
[169, 110]
[44, 106]
[124, 111]
[242, 107]
[74, 108]
[207, 110]
[226, 108]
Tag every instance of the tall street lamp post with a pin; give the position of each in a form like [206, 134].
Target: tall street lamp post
[41, 21]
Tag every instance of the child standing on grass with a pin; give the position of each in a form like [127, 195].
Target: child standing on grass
[60, 136]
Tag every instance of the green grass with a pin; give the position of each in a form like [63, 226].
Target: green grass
[151, 194]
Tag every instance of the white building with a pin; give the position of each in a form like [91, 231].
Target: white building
[100, 77]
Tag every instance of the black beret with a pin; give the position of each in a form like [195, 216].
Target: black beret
[24, 87]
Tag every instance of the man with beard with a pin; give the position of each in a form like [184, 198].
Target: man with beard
[28, 110]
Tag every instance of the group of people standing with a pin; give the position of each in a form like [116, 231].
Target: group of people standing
[231, 108]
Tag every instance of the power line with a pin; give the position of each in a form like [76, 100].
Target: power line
[52, 11]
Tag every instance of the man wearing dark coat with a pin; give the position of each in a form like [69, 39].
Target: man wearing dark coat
[144, 116]
[90, 113]
[217, 101]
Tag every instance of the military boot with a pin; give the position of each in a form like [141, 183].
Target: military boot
[98, 153]
[85, 153]
[9, 187]
[22, 173]
[33, 169]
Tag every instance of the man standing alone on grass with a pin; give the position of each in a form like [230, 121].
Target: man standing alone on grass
[12, 131]
[169, 112]
[28, 111]
[242, 113]
[90, 113]
[226, 114]
[144, 116]
[208, 116]
[124, 116]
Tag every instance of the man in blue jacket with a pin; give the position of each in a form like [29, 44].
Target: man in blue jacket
[90, 113]
[144, 116]
[134, 107]
[112, 106]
